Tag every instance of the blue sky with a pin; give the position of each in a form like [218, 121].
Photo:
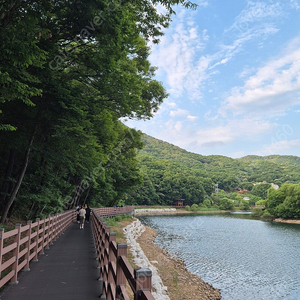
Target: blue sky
[232, 69]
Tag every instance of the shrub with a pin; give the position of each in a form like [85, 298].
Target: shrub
[216, 207]
[207, 203]
[194, 207]
[257, 212]
[188, 208]
[261, 202]
[267, 216]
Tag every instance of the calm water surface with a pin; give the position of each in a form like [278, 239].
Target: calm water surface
[244, 258]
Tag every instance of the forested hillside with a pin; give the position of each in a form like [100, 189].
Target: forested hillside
[170, 172]
[69, 70]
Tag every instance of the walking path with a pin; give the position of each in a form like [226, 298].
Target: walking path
[67, 271]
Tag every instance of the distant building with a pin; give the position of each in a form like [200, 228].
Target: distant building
[178, 202]
[275, 186]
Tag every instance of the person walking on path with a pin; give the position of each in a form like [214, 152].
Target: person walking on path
[82, 214]
[88, 213]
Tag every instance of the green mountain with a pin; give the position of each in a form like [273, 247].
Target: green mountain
[171, 172]
[277, 159]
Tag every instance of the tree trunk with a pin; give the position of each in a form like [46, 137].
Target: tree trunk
[87, 194]
[18, 184]
[78, 193]
[6, 182]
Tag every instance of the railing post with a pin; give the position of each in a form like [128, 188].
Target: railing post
[106, 243]
[121, 278]
[48, 233]
[28, 243]
[1, 247]
[105, 253]
[16, 252]
[36, 248]
[111, 257]
[142, 280]
[43, 236]
[55, 227]
[51, 229]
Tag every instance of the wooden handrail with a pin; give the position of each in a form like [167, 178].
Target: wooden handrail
[24, 243]
[20, 246]
[115, 269]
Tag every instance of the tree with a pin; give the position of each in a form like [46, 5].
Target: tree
[73, 66]
[260, 190]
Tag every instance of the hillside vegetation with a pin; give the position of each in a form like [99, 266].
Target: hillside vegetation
[170, 173]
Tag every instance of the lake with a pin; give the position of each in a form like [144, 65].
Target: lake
[243, 257]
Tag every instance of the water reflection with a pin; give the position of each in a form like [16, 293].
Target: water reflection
[245, 258]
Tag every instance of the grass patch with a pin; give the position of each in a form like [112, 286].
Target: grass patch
[114, 221]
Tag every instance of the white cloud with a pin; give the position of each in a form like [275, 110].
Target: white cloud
[254, 22]
[171, 104]
[178, 113]
[207, 116]
[180, 55]
[274, 88]
[178, 126]
[193, 139]
[279, 147]
[234, 129]
[295, 4]
[254, 14]
[192, 118]
[176, 54]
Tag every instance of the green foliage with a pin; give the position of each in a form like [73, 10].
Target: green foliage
[260, 190]
[113, 221]
[68, 73]
[188, 208]
[246, 186]
[173, 173]
[194, 207]
[257, 212]
[261, 202]
[267, 215]
[284, 202]
[244, 205]
[207, 203]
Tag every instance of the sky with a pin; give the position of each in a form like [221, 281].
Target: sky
[232, 71]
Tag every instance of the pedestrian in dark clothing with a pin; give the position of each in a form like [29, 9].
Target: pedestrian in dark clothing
[88, 213]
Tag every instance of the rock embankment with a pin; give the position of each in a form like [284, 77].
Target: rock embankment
[132, 232]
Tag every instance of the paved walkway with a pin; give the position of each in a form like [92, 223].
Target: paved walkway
[67, 271]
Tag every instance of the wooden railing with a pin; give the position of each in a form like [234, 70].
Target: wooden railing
[20, 246]
[116, 273]
[114, 211]
[24, 243]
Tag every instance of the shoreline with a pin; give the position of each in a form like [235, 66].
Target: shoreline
[287, 221]
[173, 211]
[171, 280]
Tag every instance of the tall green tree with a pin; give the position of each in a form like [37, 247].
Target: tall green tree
[73, 65]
